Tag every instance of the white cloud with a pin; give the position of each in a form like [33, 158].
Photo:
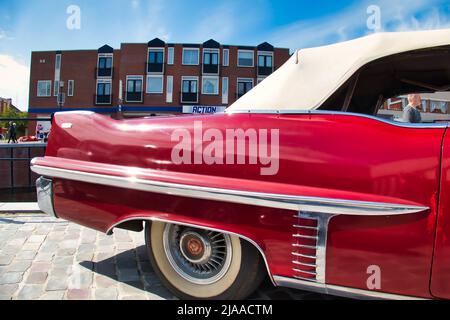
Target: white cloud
[219, 24]
[151, 22]
[135, 4]
[351, 23]
[432, 19]
[14, 81]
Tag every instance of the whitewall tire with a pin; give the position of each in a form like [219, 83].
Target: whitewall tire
[201, 264]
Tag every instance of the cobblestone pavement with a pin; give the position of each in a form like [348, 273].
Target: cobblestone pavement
[50, 259]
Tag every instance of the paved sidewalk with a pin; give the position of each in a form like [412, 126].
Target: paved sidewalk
[46, 258]
[19, 207]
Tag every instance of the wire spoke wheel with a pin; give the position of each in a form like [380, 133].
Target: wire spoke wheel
[196, 263]
[199, 256]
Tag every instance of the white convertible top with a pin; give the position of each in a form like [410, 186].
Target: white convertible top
[312, 75]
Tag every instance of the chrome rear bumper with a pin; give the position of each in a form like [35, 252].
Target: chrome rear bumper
[44, 189]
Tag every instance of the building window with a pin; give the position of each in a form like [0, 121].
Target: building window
[245, 58]
[105, 66]
[265, 63]
[70, 88]
[56, 88]
[190, 56]
[244, 86]
[103, 95]
[210, 85]
[134, 89]
[155, 60]
[224, 90]
[260, 80]
[211, 61]
[226, 57]
[438, 107]
[154, 84]
[169, 89]
[58, 62]
[44, 88]
[170, 55]
[189, 87]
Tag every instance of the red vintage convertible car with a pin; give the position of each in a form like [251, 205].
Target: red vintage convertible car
[299, 180]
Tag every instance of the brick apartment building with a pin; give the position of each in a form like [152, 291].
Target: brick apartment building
[149, 78]
[6, 104]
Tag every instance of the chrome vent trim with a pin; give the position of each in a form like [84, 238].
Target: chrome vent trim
[308, 266]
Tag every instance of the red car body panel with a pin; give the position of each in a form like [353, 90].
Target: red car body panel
[440, 281]
[323, 155]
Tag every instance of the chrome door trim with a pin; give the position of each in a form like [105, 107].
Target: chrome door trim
[338, 290]
[279, 201]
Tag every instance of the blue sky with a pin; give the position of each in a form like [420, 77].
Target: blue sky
[33, 25]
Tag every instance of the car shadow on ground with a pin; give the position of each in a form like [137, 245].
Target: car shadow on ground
[132, 267]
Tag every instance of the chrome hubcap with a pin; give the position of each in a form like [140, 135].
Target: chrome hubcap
[199, 256]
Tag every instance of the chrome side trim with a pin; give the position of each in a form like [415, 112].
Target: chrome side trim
[44, 189]
[324, 112]
[279, 201]
[143, 218]
[338, 290]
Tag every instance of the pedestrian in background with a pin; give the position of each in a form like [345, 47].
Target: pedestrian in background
[410, 113]
[12, 133]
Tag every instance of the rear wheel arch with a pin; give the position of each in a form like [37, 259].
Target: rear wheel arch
[139, 224]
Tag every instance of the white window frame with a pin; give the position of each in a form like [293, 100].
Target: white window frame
[188, 78]
[267, 54]
[191, 64]
[244, 80]
[105, 55]
[56, 88]
[57, 78]
[147, 86]
[225, 93]
[260, 79]
[211, 50]
[58, 58]
[170, 55]
[70, 94]
[105, 80]
[253, 59]
[227, 53]
[48, 94]
[163, 55]
[209, 78]
[169, 89]
[135, 77]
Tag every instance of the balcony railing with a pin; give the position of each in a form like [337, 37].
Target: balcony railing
[104, 72]
[103, 99]
[133, 96]
[189, 97]
[265, 71]
[238, 95]
[155, 67]
[211, 68]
